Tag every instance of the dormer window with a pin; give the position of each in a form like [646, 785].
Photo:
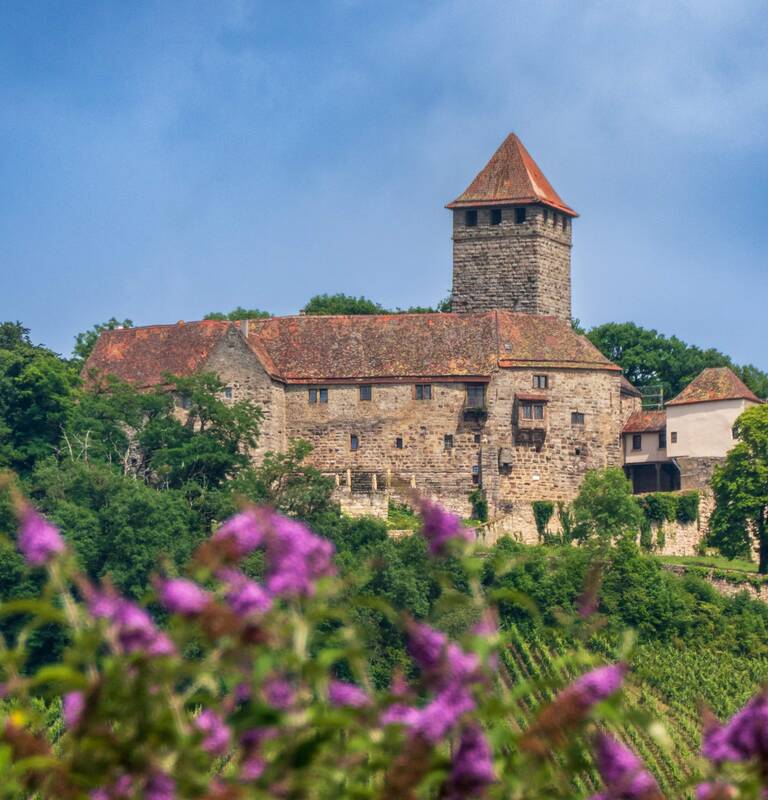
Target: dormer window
[470, 217]
[495, 216]
[520, 215]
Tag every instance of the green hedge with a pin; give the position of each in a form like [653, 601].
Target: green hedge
[661, 507]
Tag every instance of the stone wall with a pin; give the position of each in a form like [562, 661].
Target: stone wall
[684, 540]
[239, 368]
[524, 267]
[696, 473]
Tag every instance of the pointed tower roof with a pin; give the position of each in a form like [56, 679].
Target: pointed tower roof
[511, 176]
[714, 383]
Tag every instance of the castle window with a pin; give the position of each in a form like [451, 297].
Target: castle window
[478, 438]
[318, 394]
[541, 382]
[662, 440]
[423, 391]
[366, 391]
[228, 392]
[470, 217]
[399, 443]
[637, 441]
[475, 395]
[495, 216]
[354, 442]
[577, 418]
[674, 437]
[448, 441]
[520, 215]
[533, 411]
[476, 474]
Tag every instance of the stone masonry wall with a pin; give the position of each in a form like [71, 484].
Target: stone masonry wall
[238, 367]
[524, 267]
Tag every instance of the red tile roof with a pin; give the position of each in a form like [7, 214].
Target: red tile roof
[712, 384]
[628, 388]
[311, 349]
[511, 176]
[646, 422]
[142, 356]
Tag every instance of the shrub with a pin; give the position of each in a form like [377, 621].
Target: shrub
[660, 507]
[542, 514]
[646, 536]
[479, 505]
[688, 507]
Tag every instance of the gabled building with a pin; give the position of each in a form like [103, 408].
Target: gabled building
[501, 395]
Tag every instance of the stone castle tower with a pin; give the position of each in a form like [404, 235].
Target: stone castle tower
[512, 239]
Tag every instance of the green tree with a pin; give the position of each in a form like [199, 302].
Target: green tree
[325, 304]
[86, 341]
[37, 391]
[605, 506]
[239, 313]
[740, 486]
[649, 358]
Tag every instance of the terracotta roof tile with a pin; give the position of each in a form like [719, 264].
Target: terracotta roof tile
[714, 383]
[311, 349]
[628, 388]
[142, 356]
[511, 176]
[646, 422]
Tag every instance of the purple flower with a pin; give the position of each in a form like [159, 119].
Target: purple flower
[244, 596]
[244, 530]
[252, 768]
[182, 596]
[133, 626]
[216, 733]
[341, 693]
[595, 686]
[279, 692]
[624, 774]
[121, 789]
[472, 766]
[718, 790]
[39, 541]
[439, 527]
[73, 705]
[436, 719]
[744, 737]
[441, 661]
[160, 786]
[296, 558]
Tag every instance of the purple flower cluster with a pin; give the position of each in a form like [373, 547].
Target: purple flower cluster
[121, 789]
[160, 786]
[624, 774]
[744, 737]
[216, 733]
[717, 790]
[244, 596]
[39, 540]
[439, 527]
[73, 705]
[182, 596]
[244, 531]
[341, 694]
[278, 692]
[595, 686]
[471, 768]
[135, 631]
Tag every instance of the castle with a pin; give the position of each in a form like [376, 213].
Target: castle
[501, 394]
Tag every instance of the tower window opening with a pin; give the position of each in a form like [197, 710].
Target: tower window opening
[476, 474]
[399, 442]
[354, 442]
[448, 441]
[470, 218]
[577, 418]
[366, 391]
[495, 216]
[541, 382]
[520, 215]
[674, 437]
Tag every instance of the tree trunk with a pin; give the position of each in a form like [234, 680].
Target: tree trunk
[762, 538]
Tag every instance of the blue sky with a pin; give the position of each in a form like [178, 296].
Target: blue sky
[161, 160]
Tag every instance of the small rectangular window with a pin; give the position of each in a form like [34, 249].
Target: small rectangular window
[478, 438]
[366, 392]
[228, 392]
[577, 418]
[662, 440]
[637, 441]
[476, 474]
[527, 410]
[475, 395]
[674, 437]
[538, 411]
[541, 382]
[323, 394]
[470, 218]
[423, 391]
[448, 441]
[399, 442]
[495, 216]
[312, 394]
[354, 442]
[519, 216]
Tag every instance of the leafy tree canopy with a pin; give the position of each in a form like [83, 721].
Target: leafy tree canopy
[740, 485]
[325, 304]
[239, 313]
[605, 506]
[649, 358]
[86, 341]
